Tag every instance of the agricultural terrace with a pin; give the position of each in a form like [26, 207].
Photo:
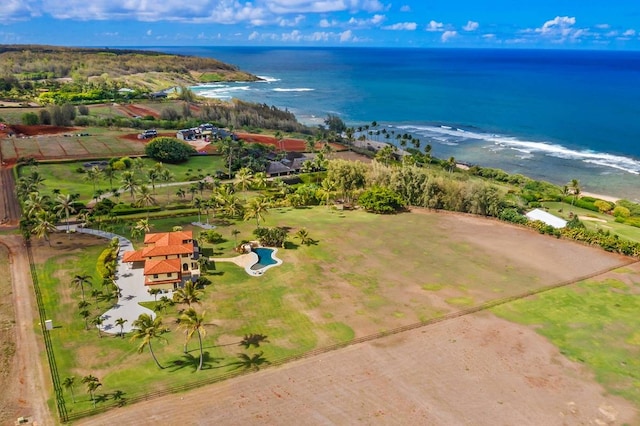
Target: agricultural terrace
[364, 274]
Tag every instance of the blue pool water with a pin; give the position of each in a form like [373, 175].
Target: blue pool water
[265, 258]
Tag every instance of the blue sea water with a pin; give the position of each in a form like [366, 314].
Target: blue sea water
[550, 114]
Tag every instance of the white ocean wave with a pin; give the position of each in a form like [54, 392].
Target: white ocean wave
[267, 79]
[501, 142]
[224, 92]
[297, 89]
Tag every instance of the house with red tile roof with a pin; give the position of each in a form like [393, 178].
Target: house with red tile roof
[169, 259]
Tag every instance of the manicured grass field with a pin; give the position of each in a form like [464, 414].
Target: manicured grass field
[594, 322]
[65, 177]
[595, 221]
[365, 274]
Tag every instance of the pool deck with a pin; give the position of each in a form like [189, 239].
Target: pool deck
[247, 260]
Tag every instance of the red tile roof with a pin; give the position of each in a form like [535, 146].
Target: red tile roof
[168, 238]
[162, 266]
[133, 256]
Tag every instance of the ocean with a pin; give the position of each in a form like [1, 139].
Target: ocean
[554, 115]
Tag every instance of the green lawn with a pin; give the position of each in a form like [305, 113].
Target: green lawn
[593, 322]
[594, 221]
[366, 274]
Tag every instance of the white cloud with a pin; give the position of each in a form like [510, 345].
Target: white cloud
[435, 26]
[149, 32]
[603, 26]
[254, 35]
[471, 26]
[405, 8]
[448, 35]
[629, 33]
[375, 20]
[290, 22]
[346, 36]
[561, 25]
[325, 23]
[402, 26]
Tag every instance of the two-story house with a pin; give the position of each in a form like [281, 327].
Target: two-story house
[168, 258]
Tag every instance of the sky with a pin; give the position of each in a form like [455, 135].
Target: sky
[561, 24]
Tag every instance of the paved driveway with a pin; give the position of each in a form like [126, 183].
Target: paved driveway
[131, 281]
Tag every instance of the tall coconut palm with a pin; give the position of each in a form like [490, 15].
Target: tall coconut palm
[129, 183]
[145, 198]
[198, 203]
[574, 186]
[147, 329]
[92, 383]
[192, 322]
[153, 176]
[98, 321]
[68, 383]
[256, 209]
[120, 323]
[188, 294]
[244, 179]
[45, 224]
[35, 203]
[94, 174]
[65, 205]
[80, 281]
[109, 173]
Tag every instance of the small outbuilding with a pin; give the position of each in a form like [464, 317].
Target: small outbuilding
[548, 218]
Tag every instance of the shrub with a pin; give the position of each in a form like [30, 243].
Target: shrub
[621, 211]
[381, 200]
[212, 237]
[83, 110]
[274, 237]
[29, 118]
[169, 150]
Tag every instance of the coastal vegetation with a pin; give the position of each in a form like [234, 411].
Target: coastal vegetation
[51, 74]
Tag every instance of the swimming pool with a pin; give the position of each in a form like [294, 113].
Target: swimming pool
[265, 259]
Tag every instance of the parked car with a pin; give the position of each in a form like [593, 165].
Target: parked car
[147, 134]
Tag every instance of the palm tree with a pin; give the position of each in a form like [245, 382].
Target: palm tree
[98, 321]
[80, 281]
[45, 224]
[304, 237]
[181, 193]
[198, 203]
[35, 203]
[166, 176]
[257, 208]
[153, 176]
[235, 233]
[109, 172]
[146, 329]
[85, 314]
[244, 179]
[68, 384]
[94, 174]
[188, 294]
[145, 198]
[120, 323]
[253, 340]
[65, 204]
[92, 383]
[574, 185]
[154, 292]
[280, 140]
[143, 226]
[192, 322]
[251, 362]
[129, 183]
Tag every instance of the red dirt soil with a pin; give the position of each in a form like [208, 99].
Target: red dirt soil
[133, 110]
[22, 130]
[291, 145]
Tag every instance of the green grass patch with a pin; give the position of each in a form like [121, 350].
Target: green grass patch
[460, 301]
[594, 323]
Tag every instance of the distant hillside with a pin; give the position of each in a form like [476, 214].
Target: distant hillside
[34, 62]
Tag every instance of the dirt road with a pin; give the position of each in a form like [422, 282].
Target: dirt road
[25, 389]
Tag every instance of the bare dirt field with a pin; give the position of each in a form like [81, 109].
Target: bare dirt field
[288, 144]
[477, 370]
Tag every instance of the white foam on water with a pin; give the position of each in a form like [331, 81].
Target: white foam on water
[267, 79]
[297, 89]
[501, 142]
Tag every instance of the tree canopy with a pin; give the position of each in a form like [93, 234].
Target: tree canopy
[169, 150]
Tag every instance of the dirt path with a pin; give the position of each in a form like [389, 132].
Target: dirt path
[478, 370]
[26, 386]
